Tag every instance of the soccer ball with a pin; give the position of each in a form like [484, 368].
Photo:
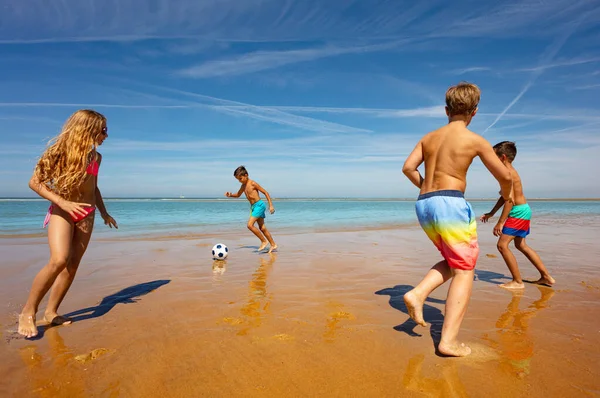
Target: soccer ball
[220, 251]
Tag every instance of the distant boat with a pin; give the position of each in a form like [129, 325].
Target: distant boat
[181, 197]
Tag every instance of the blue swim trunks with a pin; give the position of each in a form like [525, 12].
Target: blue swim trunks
[448, 220]
[258, 209]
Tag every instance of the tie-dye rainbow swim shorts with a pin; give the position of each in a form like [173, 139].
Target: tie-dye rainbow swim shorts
[448, 220]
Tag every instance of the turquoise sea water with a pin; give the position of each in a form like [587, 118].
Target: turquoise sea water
[205, 216]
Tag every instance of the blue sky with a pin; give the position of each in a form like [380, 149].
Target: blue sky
[316, 98]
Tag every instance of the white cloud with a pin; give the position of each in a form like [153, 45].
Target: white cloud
[37, 21]
[471, 69]
[569, 62]
[263, 60]
[546, 58]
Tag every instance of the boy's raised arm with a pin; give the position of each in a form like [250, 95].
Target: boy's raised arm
[235, 195]
[411, 165]
[496, 167]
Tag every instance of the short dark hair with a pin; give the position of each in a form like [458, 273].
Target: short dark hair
[240, 171]
[507, 148]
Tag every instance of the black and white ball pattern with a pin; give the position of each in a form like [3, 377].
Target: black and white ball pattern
[220, 251]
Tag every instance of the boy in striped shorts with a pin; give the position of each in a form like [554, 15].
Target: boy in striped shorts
[514, 224]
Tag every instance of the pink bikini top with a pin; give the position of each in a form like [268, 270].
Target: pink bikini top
[93, 168]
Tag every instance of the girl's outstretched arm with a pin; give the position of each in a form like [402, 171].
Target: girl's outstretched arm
[108, 220]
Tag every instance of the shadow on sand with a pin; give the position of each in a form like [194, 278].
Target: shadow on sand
[249, 247]
[431, 314]
[128, 295]
[494, 278]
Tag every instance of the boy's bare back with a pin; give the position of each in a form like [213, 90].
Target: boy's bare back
[518, 196]
[448, 153]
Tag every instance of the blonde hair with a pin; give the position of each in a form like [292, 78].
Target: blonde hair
[62, 166]
[462, 99]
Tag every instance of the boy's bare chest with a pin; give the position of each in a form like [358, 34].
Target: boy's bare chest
[250, 191]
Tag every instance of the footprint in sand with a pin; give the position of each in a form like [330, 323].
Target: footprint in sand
[283, 337]
[98, 352]
[333, 324]
[590, 285]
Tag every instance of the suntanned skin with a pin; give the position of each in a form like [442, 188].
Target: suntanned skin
[68, 242]
[520, 244]
[252, 190]
[447, 153]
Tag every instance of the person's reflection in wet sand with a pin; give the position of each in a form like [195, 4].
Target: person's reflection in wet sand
[55, 373]
[259, 300]
[514, 341]
[219, 267]
[445, 383]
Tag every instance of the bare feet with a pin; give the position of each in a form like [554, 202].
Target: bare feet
[272, 248]
[56, 320]
[544, 280]
[27, 326]
[454, 350]
[415, 307]
[513, 285]
[263, 245]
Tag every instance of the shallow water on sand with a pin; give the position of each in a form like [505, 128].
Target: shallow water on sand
[323, 317]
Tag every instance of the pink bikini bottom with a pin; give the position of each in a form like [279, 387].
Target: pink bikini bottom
[76, 218]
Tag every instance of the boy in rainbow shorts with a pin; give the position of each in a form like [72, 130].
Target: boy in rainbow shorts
[514, 224]
[444, 214]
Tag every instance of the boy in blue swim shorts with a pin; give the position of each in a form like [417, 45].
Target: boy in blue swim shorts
[445, 215]
[257, 207]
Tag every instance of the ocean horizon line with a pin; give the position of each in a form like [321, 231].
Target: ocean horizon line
[294, 198]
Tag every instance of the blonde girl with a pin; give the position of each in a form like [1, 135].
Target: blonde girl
[66, 175]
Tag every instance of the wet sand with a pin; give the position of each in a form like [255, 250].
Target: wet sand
[323, 317]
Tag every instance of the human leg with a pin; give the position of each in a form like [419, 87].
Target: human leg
[267, 234]
[251, 221]
[457, 302]
[415, 298]
[81, 237]
[511, 262]
[447, 220]
[60, 233]
[534, 258]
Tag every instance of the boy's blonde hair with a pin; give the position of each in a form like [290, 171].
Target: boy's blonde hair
[462, 99]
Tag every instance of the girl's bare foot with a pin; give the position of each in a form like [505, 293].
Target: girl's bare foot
[454, 349]
[27, 326]
[513, 285]
[272, 248]
[544, 280]
[415, 308]
[262, 246]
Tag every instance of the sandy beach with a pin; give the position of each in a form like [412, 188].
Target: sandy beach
[323, 317]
